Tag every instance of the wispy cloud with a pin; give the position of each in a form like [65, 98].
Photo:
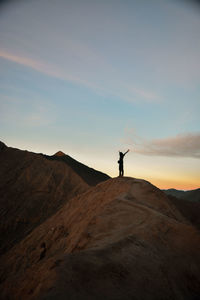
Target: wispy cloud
[181, 145]
[113, 86]
[149, 96]
[50, 70]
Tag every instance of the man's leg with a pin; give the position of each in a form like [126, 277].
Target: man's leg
[120, 170]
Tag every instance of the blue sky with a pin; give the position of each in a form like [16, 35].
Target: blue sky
[94, 77]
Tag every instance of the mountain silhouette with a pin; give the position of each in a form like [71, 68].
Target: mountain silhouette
[121, 239]
[187, 202]
[89, 175]
[32, 188]
[192, 195]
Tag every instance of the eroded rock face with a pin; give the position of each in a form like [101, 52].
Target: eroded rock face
[122, 239]
[32, 189]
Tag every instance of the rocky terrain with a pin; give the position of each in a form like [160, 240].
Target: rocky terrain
[121, 239]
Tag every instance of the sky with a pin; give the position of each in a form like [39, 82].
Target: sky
[94, 77]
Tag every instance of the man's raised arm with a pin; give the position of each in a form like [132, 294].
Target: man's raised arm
[126, 152]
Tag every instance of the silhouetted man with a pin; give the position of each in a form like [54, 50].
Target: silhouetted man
[121, 163]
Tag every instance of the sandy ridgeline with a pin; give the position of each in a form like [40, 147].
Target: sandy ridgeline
[121, 239]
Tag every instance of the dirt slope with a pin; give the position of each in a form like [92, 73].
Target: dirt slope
[32, 188]
[189, 209]
[122, 239]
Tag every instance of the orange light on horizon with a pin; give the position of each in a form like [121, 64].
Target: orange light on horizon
[181, 184]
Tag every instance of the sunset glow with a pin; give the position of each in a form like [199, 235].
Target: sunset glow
[91, 78]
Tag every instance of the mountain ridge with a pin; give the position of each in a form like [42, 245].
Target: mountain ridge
[189, 195]
[32, 188]
[88, 174]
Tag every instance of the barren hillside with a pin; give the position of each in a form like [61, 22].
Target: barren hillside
[122, 239]
[32, 188]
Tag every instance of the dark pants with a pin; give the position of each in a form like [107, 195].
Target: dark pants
[121, 169]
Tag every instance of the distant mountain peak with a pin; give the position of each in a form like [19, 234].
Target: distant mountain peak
[59, 153]
[89, 175]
